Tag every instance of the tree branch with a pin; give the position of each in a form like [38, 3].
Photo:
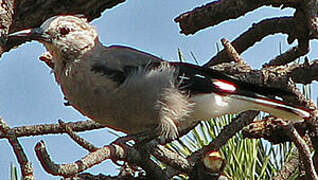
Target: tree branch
[290, 55]
[231, 52]
[6, 13]
[256, 33]
[269, 128]
[169, 157]
[82, 142]
[25, 165]
[70, 170]
[304, 73]
[311, 7]
[304, 152]
[218, 11]
[44, 129]
[112, 151]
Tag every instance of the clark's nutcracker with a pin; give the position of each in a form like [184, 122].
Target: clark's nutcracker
[133, 91]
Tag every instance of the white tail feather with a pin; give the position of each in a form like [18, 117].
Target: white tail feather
[276, 108]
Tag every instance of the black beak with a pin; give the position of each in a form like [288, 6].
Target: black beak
[32, 34]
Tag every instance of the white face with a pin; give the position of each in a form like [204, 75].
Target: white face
[70, 36]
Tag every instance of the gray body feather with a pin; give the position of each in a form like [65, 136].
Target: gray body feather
[147, 99]
[115, 87]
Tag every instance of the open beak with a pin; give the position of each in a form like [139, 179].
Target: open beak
[32, 34]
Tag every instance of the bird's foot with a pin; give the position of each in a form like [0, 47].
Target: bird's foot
[124, 141]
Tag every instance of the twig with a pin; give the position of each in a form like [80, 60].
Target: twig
[231, 51]
[304, 152]
[25, 165]
[112, 151]
[70, 170]
[89, 176]
[44, 129]
[82, 142]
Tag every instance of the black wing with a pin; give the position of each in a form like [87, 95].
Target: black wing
[196, 80]
[118, 76]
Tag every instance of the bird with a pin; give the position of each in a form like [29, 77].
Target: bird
[133, 91]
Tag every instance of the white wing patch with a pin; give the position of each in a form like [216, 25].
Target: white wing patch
[200, 76]
[224, 85]
[184, 77]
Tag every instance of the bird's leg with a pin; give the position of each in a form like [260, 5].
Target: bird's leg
[143, 140]
[122, 141]
[140, 138]
[48, 59]
[147, 136]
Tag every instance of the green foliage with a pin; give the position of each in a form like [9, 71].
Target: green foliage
[13, 172]
[253, 159]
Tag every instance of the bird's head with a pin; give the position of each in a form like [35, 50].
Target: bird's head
[64, 36]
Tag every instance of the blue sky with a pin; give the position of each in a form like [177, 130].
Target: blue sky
[29, 95]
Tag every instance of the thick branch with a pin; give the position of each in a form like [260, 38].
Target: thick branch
[256, 33]
[290, 55]
[6, 13]
[304, 73]
[311, 11]
[218, 11]
[269, 128]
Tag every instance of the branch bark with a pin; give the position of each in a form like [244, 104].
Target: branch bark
[25, 164]
[45, 129]
[304, 152]
[70, 170]
[6, 13]
[218, 11]
[80, 141]
[112, 151]
[257, 32]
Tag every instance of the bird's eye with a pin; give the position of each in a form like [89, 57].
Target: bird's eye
[64, 31]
